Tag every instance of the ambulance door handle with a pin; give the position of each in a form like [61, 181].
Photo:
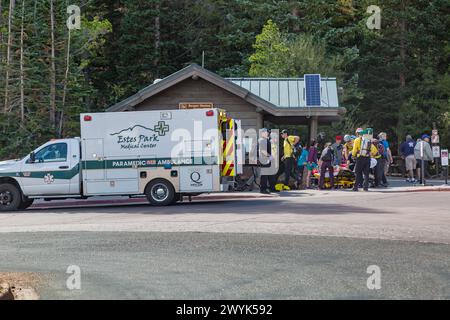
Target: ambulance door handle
[64, 167]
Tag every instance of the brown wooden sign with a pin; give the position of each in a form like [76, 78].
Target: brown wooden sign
[196, 105]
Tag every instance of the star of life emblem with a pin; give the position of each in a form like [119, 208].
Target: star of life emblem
[48, 178]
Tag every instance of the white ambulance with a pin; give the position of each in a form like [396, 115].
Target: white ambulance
[160, 154]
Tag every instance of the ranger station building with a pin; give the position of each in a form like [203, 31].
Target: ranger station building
[258, 102]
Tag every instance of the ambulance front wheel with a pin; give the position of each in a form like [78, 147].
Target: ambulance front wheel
[10, 197]
[160, 192]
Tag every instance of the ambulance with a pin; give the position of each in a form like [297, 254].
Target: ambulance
[162, 155]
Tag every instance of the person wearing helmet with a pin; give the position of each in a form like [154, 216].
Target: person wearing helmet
[348, 147]
[363, 151]
[289, 157]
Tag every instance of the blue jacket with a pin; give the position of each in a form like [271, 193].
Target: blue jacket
[407, 148]
[303, 158]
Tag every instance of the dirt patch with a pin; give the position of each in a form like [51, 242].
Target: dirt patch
[19, 286]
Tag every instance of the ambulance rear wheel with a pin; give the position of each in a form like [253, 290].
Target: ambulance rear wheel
[160, 192]
[10, 197]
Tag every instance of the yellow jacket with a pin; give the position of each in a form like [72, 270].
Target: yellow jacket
[357, 149]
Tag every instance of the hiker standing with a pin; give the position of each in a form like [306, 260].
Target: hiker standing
[326, 164]
[267, 182]
[407, 151]
[338, 151]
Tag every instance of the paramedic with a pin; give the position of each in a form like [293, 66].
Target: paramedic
[363, 150]
[288, 156]
[348, 147]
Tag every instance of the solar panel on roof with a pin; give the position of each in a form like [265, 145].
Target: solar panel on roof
[312, 88]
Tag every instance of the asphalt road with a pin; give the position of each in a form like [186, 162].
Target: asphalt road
[146, 265]
[299, 245]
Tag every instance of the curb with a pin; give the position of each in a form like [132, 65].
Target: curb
[425, 190]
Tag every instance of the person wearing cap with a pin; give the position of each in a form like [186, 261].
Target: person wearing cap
[338, 151]
[423, 144]
[407, 152]
[362, 156]
[288, 156]
[267, 182]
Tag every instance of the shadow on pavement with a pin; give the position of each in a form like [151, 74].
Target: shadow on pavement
[257, 206]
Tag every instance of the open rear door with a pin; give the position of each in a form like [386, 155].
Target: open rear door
[228, 167]
[240, 149]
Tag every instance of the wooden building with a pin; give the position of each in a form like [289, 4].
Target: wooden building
[255, 101]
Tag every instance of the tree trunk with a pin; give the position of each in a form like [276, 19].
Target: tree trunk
[402, 76]
[157, 39]
[12, 4]
[22, 76]
[52, 68]
[1, 21]
[64, 94]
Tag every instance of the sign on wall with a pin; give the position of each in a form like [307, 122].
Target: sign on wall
[196, 105]
[444, 157]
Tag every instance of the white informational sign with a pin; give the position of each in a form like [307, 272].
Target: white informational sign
[436, 152]
[444, 157]
[435, 139]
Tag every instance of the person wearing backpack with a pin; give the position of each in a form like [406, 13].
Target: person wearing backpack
[363, 150]
[338, 151]
[326, 163]
[289, 153]
[379, 168]
[301, 164]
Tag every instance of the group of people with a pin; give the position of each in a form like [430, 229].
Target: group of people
[361, 153]
[414, 153]
[352, 151]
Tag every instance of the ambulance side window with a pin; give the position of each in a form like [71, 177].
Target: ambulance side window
[53, 153]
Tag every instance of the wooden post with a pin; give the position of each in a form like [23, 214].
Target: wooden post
[313, 127]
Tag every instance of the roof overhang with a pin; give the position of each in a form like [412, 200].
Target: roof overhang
[194, 71]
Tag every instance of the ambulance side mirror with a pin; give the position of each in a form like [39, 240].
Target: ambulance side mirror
[32, 157]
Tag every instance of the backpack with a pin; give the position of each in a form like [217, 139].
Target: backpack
[366, 146]
[296, 149]
[329, 155]
[381, 149]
